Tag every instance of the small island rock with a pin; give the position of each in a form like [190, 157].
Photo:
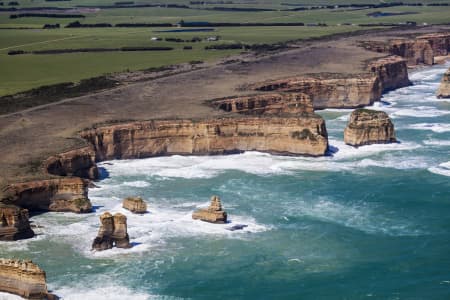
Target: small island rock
[135, 204]
[14, 223]
[444, 88]
[212, 214]
[112, 232]
[369, 127]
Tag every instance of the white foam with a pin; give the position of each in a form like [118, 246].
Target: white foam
[138, 183]
[443, 169]
[6, 296]
[434, 142]
[104, 292]
[435, 127]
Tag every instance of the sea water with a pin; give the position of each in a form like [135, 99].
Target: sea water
[370, 222]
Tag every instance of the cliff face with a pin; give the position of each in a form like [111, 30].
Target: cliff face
[369, 127]
[23, 278]
[440, 42]
[267, 104]
[444, 88]
[294, 136]
[330, 91]
[415, 52]
[391, 71]
[67, 194]
[14, 223]
[79, 162]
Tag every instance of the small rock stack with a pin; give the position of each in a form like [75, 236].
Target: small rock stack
[135, 205]
[112, 232]
[212, 214]
[444, 88]
[14, 223]
[369, 127]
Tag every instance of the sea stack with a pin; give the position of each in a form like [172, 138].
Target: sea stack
[112, 232]
[212, 214]
[444, 88]
[14, 223]
[369, 127]
[135, 204]
[23, 278]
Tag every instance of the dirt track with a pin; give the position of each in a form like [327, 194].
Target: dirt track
[29, 137]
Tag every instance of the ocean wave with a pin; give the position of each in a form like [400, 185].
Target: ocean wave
[435, 127]
[138, 183]
[443, 169]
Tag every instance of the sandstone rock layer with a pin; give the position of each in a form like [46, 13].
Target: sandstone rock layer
[135, 204]
[391, 71]
[63, 195]
[213, 214]
[23, 278]
[440, 42]
[267, 104]
[289, 136]
[369, 127]
[329, 90]
[79, 162]
[14, 223]
[444, 88]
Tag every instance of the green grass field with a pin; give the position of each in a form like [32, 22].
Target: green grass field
[22, 72]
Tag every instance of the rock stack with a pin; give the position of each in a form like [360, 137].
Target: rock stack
[135, 204]
[212, 214]
[369, 127]
[112, 232]
[23, 278]
[14, 223]
[444, 88]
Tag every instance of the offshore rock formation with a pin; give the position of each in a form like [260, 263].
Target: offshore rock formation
[369, 127]
[391, 71]
[289, 136]
[14, 223]
[267, 104]
[23, 278]
[440, 42]
[135, 205]
[79, 162]
[330, 90]
[212, 214]
[63, 195]
[112, 232]
[444, 88]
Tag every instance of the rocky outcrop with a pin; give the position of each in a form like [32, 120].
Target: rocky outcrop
[391, 71]
[330, 90]
[79, 162]
[440, 42]
[63, 195]
[14, 223]
[213, 214]
[135, 204]
[444, 88]
[369, 127]
[267, 104]
[288, 136]
[23, 278]
[415, 52]
[112, 232]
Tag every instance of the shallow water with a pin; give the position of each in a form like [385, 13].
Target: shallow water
[372, 222]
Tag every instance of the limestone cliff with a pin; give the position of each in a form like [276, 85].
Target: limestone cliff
[330, 90]
[112, 232]
[415, 52]
[135, 204]
[369, 127]
[440, 42]
[23, 278]
[289, 136]
[391, 71]
[267, 104]
[14, 223]
[79, 162]
[213, 214]
[444, 88]
[66, 194]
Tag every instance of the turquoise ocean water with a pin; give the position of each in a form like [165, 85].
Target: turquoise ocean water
[372, 222]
